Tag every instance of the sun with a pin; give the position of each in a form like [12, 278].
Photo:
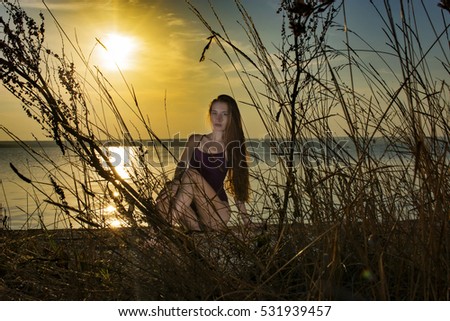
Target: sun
[117, 51]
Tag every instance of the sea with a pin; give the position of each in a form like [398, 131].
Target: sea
[24, 206]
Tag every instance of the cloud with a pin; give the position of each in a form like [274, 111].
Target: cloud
[54, 5]
[172, 20]
[77, 5]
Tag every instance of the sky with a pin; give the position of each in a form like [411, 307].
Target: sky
[160, 43]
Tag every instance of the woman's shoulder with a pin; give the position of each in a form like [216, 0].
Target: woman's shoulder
[194, 140]
[195, 137]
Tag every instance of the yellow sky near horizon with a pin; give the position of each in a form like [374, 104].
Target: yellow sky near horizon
[163, 66]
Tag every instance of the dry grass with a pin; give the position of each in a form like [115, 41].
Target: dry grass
[340, 226]
[336, 263]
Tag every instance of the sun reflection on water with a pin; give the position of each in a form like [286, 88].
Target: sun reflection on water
[111, 217]
[115, 223]
[124, 159]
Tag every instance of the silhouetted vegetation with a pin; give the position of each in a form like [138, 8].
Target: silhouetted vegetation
[327, 224]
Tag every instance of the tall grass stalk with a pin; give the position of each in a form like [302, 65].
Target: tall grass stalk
[329, 223]
[388, 214]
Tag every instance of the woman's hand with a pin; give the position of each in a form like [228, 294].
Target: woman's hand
[169, 190]
[243, 212]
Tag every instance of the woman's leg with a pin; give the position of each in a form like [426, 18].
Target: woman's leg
[164, 203]
[212, 212]
[163, 200]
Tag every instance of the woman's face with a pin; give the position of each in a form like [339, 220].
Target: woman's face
[219, 116]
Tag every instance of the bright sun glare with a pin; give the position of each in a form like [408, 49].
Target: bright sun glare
[118, 50]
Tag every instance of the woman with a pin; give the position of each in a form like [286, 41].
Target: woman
[197, 199]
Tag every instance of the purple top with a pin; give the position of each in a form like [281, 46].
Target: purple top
[212, 168]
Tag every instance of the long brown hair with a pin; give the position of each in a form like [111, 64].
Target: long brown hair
[238, 175]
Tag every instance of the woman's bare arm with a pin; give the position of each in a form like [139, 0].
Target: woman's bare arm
[183, 162]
